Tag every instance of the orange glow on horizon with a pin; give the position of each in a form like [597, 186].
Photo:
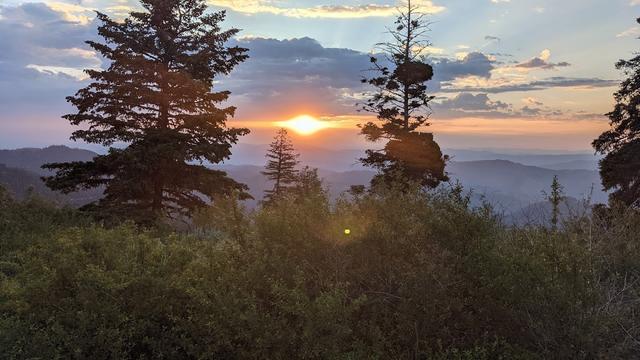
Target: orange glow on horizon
[552, 133]
[304, 124]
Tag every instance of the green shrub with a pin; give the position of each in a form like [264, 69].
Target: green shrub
[420, 275]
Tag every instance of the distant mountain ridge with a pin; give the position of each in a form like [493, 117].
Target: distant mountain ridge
[347, 159]
[33, 158]
[509, 185]
[21, 170]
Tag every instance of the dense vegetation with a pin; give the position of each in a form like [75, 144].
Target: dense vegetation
[395, 271]
[421, 275]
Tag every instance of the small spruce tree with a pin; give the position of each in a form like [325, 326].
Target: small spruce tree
[281, 165]
[555, 198]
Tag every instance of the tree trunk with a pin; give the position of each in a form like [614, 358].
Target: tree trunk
[407, 59]
[163, 123]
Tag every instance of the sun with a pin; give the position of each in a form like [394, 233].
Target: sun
[304, 124]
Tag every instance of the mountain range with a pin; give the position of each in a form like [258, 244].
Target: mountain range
[511, 186]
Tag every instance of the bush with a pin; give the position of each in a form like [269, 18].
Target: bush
[420, 275]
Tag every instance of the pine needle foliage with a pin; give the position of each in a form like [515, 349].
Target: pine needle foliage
[281, 165]
[620, 167]
[402, 105]
[156, 98]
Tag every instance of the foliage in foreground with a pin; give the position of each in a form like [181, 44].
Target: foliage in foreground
[420, 276]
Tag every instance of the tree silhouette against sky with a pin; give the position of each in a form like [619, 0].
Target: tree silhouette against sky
[156, 98]
[620, 168]
[401, 103]
[281, 165]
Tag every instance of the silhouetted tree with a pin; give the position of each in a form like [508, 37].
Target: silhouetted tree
[555, 198]
[401, 104]
[156, 98]
[620, 168]
[307, 182]
[281, 165]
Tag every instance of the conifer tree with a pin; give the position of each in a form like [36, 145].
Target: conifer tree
[620, 168]
[401, 104]
[281, 165]
[555, 198]
[307, 184]
[156, 98]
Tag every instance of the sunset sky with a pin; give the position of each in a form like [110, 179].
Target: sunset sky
[509, 74]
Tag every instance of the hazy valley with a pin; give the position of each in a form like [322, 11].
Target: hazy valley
[512, 183]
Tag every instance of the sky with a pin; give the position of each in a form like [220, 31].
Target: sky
[521, 75]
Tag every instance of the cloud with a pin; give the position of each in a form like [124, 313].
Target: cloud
[492, 38]
[480, 105]
[531, 101]
[464, 105]
[323, 11]
[283, 77]
[536, 85]
[72, 12]
[472, 64]
[542, 62]
[631, 32]
[531, 111]
[470, 102]
[298, 73]
[43, 54]
[78, 74]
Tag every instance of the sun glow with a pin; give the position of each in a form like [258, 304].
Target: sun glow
[304, 124]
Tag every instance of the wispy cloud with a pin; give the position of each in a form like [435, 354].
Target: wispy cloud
[72, 12]
[633, 31]
[542, 62]
[323, 11]
[495, 86]
[75, 73]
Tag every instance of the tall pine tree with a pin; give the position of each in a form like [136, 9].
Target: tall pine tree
[156, 98]
[401, 104]
[620, 168]
[281, 165]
